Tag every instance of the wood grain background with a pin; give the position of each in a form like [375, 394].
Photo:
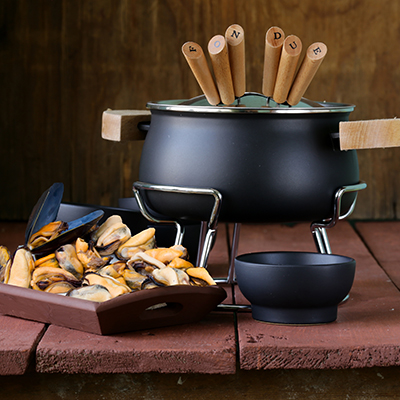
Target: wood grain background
[64, 62]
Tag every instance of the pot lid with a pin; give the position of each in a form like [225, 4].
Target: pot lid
[250, 102]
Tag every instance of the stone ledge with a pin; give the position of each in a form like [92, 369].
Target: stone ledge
[206, 347]
[366, 333]
[18, 341]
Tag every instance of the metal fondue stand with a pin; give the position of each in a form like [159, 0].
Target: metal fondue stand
[208, 229]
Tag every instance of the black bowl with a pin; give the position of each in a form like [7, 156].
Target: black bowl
[294, 287]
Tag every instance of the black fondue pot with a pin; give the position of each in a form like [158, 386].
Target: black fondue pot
[271, 163]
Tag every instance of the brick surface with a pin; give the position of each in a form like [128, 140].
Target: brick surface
[365, 334]
[204, 347]
[383, 240]
[18, 340]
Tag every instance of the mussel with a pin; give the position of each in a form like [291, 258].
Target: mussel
[47, 233]
[140, 242]
[60, 287]
[21, 268]
[92, 292]
[164, 254]
[112, 238]
[200, 276]
[115, 287]
[103, 263]
[88, 255]
[180, 263]
[68, 260]
[42, 277]
[110, 221]
[144, 259]
[133, 279]
[48, 261]
[170, 276]
[5, 260]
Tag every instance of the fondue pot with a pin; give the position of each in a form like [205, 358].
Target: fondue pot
[270, 162]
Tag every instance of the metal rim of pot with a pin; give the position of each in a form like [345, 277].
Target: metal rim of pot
[250, 102]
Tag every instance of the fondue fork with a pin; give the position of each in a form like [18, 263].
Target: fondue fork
[234, 36]
[314, 56]
[274, 39]
[198, 64]
[218, 50]
[291, 51]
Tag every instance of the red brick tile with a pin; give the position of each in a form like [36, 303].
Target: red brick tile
[18, 340]
[204, 347]
[383, 240]
[364, 335]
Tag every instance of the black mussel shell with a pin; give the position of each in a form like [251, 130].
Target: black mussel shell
[45, 210]
[77, 228]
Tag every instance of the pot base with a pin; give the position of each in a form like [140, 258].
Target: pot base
[295, 316]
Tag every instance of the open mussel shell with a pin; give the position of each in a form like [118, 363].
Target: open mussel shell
[45, 210]
[77, 228]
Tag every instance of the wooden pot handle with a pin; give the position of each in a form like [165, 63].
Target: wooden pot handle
[372, 134]
[123, 125]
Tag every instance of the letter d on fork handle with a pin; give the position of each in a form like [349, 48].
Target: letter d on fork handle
[273, 47]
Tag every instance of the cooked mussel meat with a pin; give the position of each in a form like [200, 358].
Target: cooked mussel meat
[170, 276]
[142, 241]
[164, 254]
[182, 249]
[5, 260]
[68, 260]
[200, 276]
[142, 259]
[47, 233]
[133, 279]
[114, 270]
[110, 221]
[180, 263]
[47, 261]
[42, 277]
[93, 292]
[115, 287]
[112, 238]
[100, 265]
[88, 255]
[21, 268]
[60, 287]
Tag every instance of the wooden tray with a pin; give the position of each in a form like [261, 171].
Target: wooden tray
[178, 305]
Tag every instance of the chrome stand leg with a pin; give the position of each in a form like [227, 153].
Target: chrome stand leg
[206, 239]
[318, 228]
[233, 253]
[321, 240]
[202, 238]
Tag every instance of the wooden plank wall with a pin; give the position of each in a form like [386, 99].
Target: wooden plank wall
[64, 62]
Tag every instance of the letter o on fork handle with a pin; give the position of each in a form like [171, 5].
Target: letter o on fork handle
[218, 50]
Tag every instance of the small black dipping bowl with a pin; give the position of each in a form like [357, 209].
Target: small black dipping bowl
[294, 287]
